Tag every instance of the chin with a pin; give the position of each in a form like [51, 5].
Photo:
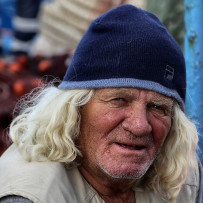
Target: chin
[126, 172]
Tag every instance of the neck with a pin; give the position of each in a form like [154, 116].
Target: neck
[110, 189]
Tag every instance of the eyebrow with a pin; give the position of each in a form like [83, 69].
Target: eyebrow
[162, 100]
[159, 99]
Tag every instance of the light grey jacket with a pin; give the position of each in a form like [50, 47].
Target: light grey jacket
[51, 182]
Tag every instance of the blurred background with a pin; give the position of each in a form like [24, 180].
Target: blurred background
[38, 38]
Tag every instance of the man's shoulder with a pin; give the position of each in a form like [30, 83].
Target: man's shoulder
[12, 157]
[193, 176]
[192, 189]
[200, 195]
[33, 180]
[12, 164]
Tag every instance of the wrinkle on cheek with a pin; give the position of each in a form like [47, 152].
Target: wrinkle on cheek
[164, 124]
[107, 122]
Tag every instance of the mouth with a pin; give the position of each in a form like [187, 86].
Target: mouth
[132, 147]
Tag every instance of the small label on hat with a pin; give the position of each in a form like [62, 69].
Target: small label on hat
[169, 72]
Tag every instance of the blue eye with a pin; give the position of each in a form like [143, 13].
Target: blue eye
[157, 107]
[118, 102]
[118, 99]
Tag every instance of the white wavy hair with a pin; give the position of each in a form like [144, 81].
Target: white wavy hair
[49, 124]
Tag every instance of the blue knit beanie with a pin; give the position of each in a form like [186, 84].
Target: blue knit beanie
[128, 47]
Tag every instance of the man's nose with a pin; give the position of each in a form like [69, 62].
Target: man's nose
[137, 121]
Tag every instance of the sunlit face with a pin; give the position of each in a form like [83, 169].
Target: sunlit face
[122, 130]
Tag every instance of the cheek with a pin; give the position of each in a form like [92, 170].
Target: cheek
[95, 127]
[160, 128]
[101, 121]
[92, 129]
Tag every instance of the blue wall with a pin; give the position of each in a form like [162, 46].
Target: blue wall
[194, 63]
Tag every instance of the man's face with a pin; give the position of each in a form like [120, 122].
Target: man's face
[122, 130]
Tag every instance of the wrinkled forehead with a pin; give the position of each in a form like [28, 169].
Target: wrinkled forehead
[133, 93]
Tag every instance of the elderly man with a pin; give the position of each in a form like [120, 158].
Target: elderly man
[115, 129]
